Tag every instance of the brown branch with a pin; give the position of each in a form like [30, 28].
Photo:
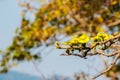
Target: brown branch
[108, 55]
[88, 52]
[37, 69]
[104, 54]
[91, 54]
[104, 61]
[27, 5]
[100, 43]
[114, 23]
[109, 68]
[81, 56]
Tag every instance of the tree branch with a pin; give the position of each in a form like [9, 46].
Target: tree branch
[37, 69]
[109, 68]
[114, 23]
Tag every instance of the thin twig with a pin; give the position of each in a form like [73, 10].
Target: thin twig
[81, 56]
[90, 48]
[108, 55]
[104, 61]
[38, 70]
[109, 68]
[114, 23]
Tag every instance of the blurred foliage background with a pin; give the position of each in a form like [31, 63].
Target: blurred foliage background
[53, 21]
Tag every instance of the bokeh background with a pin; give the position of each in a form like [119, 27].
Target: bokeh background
[51, 63]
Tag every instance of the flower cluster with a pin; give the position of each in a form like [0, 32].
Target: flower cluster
[101, 37]
[82, 39]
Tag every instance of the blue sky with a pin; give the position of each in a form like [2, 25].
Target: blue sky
[53, 63]
[9, 20]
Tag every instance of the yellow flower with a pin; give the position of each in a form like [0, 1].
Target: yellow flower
[114, 2]
[57, 12]
[97, 39]
[74, 40]
[66, 43]
[117, 14]
[110, 36]
[99, 19]
[58, 45]
[78, 40]
[100, 29]
[101, 37]
[106, 38]
[83, 38]
[68, 29]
